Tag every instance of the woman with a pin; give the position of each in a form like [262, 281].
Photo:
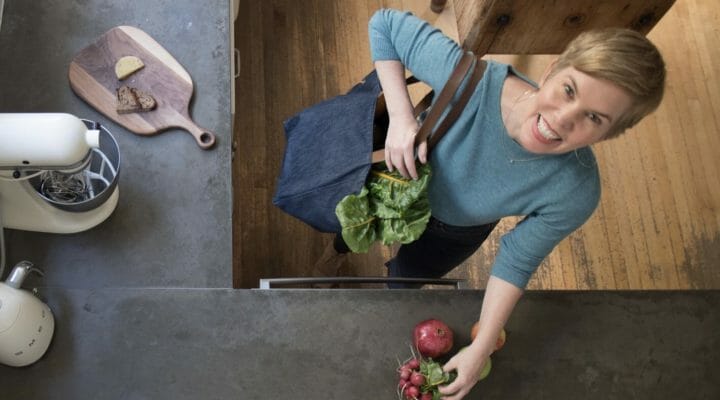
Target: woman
[519, 148]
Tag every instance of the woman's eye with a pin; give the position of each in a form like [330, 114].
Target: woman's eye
[594, 118]
[569, 92]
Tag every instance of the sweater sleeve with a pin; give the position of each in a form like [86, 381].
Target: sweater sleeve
[524, 247]
[424, 50]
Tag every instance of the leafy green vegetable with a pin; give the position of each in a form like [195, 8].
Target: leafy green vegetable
[434, 377]
[357, 221]
[389, 208]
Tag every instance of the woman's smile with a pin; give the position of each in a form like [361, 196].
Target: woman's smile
[543, 132]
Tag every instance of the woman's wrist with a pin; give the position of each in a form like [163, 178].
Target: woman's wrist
[404, 119]
[480, 349]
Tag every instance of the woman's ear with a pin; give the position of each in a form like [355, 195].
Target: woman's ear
[548, 71]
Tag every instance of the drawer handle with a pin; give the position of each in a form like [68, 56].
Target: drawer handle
[237, 62]
[267, 283]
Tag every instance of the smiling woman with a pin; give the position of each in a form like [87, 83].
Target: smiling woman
[593, 91]
[604, 83]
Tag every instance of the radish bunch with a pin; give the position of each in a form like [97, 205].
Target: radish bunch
[419, 378]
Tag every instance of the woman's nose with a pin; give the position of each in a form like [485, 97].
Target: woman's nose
[565, 117]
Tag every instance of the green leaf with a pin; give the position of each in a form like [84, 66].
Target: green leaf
[435, 375]
[358, 224]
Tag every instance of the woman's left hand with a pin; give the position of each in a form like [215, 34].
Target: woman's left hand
[467, 363]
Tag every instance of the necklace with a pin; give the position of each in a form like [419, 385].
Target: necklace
[528, 94]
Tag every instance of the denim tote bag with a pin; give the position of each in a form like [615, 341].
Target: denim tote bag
[329, 149]
[327, 155]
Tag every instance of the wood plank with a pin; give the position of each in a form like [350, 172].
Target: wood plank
[545, 27]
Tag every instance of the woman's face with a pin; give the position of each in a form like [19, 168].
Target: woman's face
[572, 110]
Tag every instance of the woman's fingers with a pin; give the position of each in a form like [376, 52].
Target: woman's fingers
[400, 159]
[456, 390]
[422, 152]
[399, 163]
[409, 159]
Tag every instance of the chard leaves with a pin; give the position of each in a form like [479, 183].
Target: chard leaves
[358, 224]
[389, 208]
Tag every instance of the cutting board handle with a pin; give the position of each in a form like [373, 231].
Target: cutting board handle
[204, 138]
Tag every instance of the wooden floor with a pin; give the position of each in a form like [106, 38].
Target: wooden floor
[658, 222]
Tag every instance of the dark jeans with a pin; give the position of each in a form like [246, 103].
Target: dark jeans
[439, 250]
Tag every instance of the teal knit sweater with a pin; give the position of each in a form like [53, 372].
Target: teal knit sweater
[480, 174]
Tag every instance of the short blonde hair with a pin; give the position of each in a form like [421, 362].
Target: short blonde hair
[625, 58]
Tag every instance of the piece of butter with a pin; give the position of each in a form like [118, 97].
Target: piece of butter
[127, 65]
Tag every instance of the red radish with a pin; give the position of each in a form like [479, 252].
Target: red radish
[426, 396]
[402, 383]
[405, 373]
[413, 364]
[412, 392]
[433, 338]
[417, 379]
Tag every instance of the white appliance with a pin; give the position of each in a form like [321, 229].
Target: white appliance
[26, 323]
[2, 7]
[58, 174]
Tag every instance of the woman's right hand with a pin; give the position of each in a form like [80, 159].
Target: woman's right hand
[400, 146]
[403, 127]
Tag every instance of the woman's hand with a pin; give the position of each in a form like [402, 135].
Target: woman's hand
[403, 127]
[467, 363]
[400, 146]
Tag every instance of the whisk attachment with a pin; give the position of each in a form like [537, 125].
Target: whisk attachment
[80, 186]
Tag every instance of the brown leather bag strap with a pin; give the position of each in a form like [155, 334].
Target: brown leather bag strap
[454, 113]
[446, 95]
[443, 101]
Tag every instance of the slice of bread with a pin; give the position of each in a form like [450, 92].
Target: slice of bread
[130, 100]
[147, 102]
[126, 100]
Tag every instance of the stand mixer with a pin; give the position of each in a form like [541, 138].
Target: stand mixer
[58, 174]
[78, 156]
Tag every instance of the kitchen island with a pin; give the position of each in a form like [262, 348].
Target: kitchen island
[159, 343]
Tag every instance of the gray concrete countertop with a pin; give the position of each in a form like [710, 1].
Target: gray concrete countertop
[172, 226]
[344, 344]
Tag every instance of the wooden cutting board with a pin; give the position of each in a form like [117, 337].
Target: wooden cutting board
[92, 78]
